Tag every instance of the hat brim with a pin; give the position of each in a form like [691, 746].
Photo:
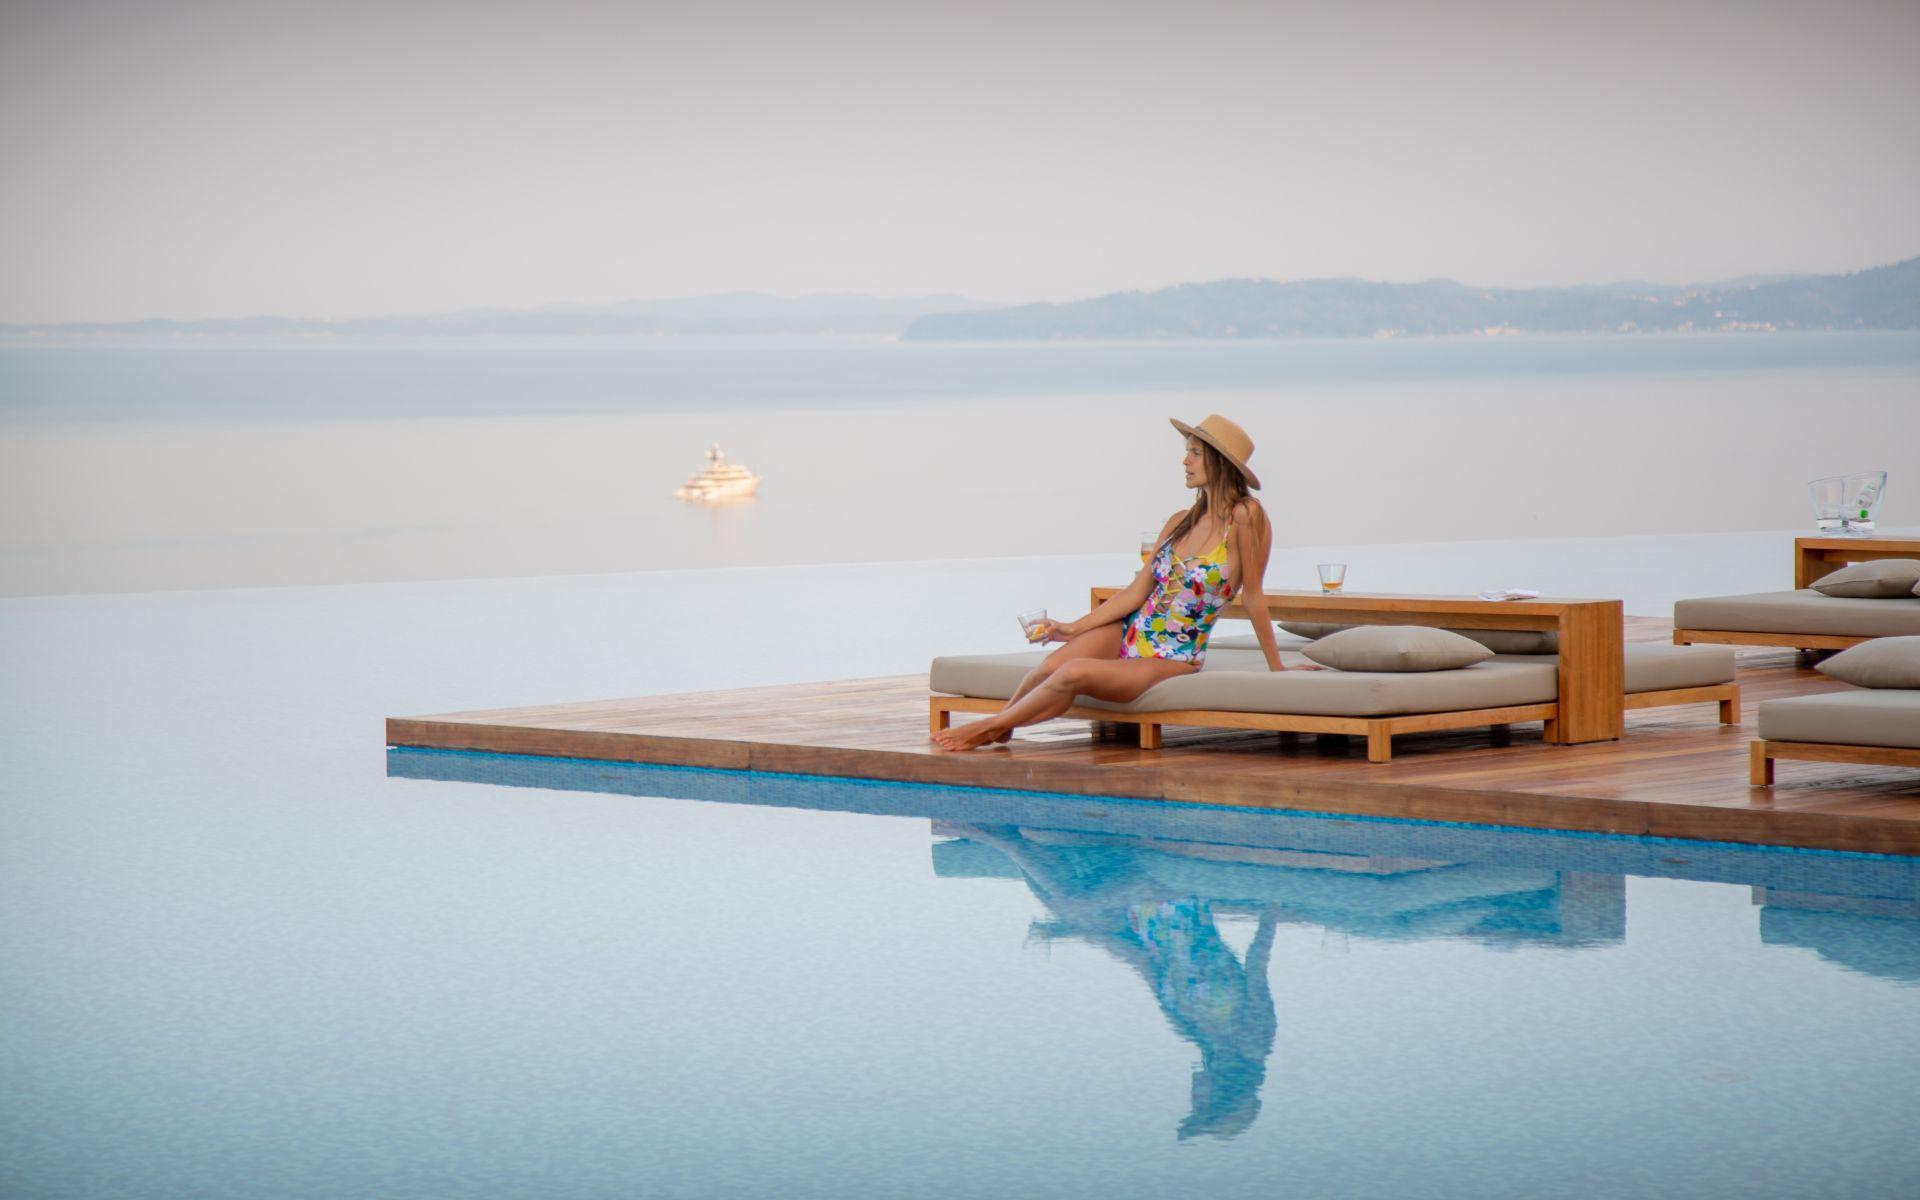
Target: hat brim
[1253, 481]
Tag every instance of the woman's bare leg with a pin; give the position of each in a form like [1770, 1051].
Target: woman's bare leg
[1118, 680]
[1101, 643]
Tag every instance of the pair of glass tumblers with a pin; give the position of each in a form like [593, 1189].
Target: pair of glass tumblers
[1847, 503]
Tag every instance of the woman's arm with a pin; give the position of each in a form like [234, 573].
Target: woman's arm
[1247, 566]
[1122, 603]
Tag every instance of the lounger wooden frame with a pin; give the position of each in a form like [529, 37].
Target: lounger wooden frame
[1765, 752]
[1726, 695]
[1378, 731]
[1746, 637]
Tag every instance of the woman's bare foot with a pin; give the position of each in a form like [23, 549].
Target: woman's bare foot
[969, 736]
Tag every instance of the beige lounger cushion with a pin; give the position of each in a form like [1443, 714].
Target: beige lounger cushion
[1804, 611]
[1882, 717]
[1653, 668]
[1649, 667]
[1500, 641]
[1890, 662]
[1664, 668]
[1247, 641]
[1396, 648]
[991, 676]
[1239, 681]
[1882, 579]
[1515, 641]
[1313, 631]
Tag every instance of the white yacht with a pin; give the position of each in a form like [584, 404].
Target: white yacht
[721, 480]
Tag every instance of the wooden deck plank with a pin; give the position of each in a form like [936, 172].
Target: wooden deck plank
[1678, 772]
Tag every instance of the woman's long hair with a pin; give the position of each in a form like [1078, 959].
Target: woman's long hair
[1225, 487]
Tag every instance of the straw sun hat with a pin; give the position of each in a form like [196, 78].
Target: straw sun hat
[1226, 437]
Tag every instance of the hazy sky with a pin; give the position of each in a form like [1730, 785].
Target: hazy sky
[349, 159]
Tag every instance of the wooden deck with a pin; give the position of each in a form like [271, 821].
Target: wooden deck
[1677, 773]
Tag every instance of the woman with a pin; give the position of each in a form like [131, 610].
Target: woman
[1157, 627]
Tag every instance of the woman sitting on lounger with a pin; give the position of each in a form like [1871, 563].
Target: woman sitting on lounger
[1157, 627]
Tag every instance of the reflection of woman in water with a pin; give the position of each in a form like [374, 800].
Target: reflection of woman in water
[1211, 998]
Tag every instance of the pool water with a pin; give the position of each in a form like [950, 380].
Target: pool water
[247, 951]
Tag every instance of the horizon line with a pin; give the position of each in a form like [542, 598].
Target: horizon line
[591, 307]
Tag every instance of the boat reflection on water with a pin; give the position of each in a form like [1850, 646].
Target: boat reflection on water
[1150, 884]
[1156, 906]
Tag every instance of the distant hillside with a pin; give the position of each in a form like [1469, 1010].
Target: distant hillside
[731, 313]
[1881, 298]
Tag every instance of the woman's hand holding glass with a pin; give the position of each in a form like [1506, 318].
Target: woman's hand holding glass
[1056, 631]
[1038, 628]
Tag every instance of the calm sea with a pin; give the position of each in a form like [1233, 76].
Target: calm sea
[224, 462]
[247, 952]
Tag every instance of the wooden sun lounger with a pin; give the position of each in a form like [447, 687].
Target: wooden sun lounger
[1592, 660]
[1591, 629]
[1814, 558]
[1378, 731]
[1878, 727]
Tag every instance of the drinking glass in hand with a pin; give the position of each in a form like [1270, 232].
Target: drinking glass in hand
[1033, 623]
[1332, 575]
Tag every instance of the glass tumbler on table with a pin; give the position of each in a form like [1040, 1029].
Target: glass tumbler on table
[1149, 542]
[1864, 492]
[1332, 576]
[1829, 503]
[1033, 623]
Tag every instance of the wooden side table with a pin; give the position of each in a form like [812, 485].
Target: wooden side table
[1814, 558]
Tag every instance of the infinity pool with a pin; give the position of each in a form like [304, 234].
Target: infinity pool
[247, 952]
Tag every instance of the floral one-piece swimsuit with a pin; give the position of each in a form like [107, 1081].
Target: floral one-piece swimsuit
[1187, 596]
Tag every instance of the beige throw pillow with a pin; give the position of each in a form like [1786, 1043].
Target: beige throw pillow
[1888, 662]
[1882, 579]
[1500, 641]
[1396, 648]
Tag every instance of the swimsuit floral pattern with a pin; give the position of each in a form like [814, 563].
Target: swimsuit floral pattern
[1178, 616]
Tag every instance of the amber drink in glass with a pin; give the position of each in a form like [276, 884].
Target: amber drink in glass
[1033, 623]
